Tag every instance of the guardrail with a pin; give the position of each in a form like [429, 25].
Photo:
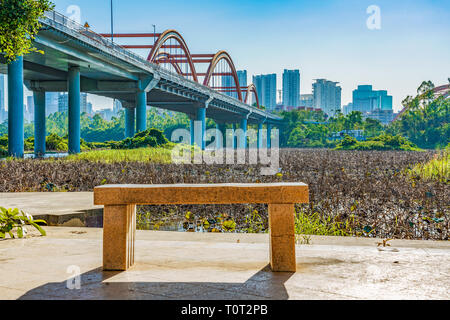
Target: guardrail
[61, 19]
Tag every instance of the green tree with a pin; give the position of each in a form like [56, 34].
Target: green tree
[19, 24]
[426, 119]
[372, 127]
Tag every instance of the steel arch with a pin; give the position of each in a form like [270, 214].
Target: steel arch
[252, 88]
[163, 57]
[223, 55]
[172, 34]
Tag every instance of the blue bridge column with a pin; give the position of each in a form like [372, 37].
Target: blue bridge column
[243, 137]
[74, 110]
[234, 136]
[201, 117]
[269, 136]
[130, 115]
[192, 128]
[15, 108]
[39, 123]
[141, 111]
[260, 129]
[220, 144]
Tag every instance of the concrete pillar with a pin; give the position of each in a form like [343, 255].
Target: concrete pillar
[201, 116]
[260, 128]
[74, 110]
[119, 237]
[243, 137]
[192, 127]
[15, 108]
[130, 120]
[282, 237]
[39, 123]
[269, 136]
[141, 111]
[234, 137]
[220, 144]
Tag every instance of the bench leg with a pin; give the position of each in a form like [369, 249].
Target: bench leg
[282, 238]
[119, 229]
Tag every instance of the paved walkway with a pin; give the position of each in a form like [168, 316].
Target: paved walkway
[174, 265]
[75, 209]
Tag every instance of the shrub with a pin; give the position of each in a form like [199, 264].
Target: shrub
[382, 142]
[4, 141]
[15, 220]
[56, 143]
[3, 152]
[148, 138]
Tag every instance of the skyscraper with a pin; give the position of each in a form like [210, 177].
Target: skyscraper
[366, 100]
[29, 113]
[327, 96]
[291, 88]
[63, 102]
[51, 103]
[228, 86]
[307, 100]
[117, 105]
[373, 104]
[242, 76]
[266, 87]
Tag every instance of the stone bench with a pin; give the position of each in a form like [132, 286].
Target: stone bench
[119, 215]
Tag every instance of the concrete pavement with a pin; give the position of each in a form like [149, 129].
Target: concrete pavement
[70, 209]
[200, 266]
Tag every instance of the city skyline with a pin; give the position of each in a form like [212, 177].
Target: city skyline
[391, 57]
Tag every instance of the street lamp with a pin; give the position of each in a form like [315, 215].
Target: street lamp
[154, 34]
[112, 22]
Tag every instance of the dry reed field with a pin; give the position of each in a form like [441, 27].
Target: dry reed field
[354, 193]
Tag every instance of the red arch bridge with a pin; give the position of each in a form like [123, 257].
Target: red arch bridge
[441, 91]
[76, 60]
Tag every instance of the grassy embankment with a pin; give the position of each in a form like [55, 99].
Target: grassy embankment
[152, 155]
[437, 169]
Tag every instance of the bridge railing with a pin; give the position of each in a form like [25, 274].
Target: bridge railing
[61, 19]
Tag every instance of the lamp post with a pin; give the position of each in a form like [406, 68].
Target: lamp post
[112, 22]
[154, 34]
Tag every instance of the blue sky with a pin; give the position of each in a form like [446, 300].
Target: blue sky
[324, 39]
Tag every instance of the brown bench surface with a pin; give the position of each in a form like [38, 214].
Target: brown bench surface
[119, 218]
[227, 193]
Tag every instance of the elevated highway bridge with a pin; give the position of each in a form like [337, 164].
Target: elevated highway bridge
[76, 59]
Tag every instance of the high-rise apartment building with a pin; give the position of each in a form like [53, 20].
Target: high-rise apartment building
[51, 103]
[347, 109]
[29, 111]
[307, 100]
[63, 102]
[373, 104]
[117, 105]
[228, 86]
[327, 96]
[242, 76]
[291, 88]
[366, 100]
[266, 87]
